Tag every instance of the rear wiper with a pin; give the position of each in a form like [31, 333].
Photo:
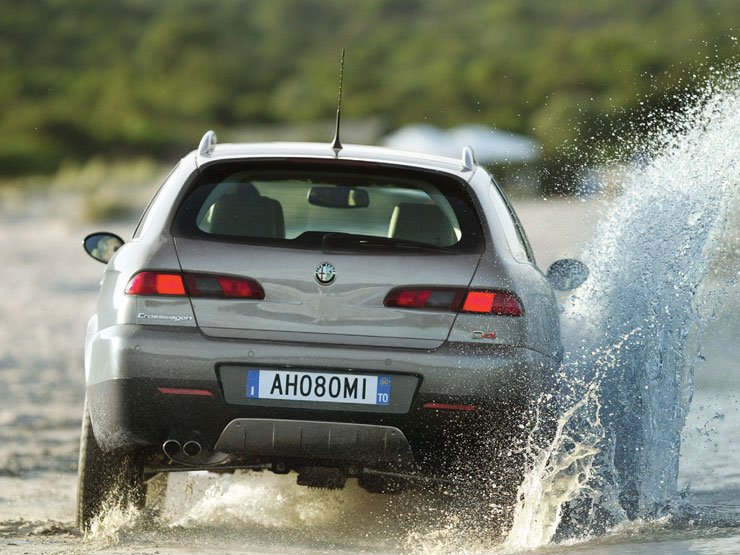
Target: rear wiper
[342, 241]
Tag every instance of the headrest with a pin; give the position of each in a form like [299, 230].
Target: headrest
[425, 223]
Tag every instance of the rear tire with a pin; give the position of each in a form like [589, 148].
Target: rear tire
[105, 480]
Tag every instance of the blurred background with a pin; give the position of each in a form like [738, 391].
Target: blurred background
[113, 92]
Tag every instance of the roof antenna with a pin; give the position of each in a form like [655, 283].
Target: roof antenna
[336, 145]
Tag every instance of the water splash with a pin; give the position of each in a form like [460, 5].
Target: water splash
[114, 522]
[632, 332]
[268, 500]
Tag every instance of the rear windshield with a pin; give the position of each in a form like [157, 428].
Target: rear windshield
[331, 207]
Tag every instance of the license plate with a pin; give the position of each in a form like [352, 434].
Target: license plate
[292, 385]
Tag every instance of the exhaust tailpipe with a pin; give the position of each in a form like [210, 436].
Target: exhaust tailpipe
[191, 449]
[171, 448]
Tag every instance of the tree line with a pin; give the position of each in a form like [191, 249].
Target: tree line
[120, 78]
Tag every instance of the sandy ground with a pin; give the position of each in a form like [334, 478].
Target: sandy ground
[49, 288]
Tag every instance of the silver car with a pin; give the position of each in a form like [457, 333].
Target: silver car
[354, 312]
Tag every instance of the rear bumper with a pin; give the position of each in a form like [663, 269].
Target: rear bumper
[129, 364]
[364, 444]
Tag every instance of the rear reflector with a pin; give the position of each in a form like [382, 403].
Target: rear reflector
[501, 303]
[195, 285]
[446, 406]
[185, 391]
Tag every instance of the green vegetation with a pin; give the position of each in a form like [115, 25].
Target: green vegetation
[130, 78]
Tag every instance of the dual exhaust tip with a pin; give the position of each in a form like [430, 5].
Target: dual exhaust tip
[173, 448]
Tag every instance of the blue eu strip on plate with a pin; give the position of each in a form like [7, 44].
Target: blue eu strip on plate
[253, 384]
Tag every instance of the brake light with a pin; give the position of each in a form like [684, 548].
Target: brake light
[156, 283]
[479, 301]
[195, 285]
[500, 303]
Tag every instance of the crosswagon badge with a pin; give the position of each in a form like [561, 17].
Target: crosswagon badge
[325, 273]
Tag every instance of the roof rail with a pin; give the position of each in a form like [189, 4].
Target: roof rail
[468, 159]
[207, 143]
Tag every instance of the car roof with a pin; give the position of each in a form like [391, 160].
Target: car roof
[375, 154]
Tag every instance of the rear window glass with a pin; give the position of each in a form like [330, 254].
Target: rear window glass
[341, 207]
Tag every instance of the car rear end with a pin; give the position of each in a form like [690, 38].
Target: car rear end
[360, 313]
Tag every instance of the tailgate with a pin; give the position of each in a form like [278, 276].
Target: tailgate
[297, 308]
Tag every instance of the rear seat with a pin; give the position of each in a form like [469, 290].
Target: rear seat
[244, 213]
[425, 223]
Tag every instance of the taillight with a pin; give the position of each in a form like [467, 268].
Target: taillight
[421, 297]
[156, 283]
[479, 301]
[500, 303]
[223, 287]
[195, 285]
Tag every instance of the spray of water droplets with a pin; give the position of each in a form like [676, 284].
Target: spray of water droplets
[632, 331]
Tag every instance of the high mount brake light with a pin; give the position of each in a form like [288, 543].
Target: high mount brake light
[500, 303]
[208, 286]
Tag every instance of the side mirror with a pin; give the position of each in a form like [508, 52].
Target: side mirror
[102, 245]
[338, 197]
[567, 274]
